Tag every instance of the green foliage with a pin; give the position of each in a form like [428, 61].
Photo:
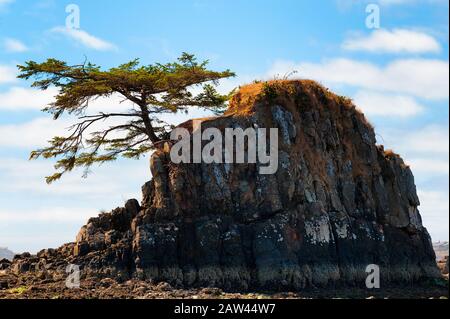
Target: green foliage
[154, 89]
[19, 290]
[269, 91]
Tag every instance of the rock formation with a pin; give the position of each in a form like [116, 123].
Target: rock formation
[445, 270]
[337, 203]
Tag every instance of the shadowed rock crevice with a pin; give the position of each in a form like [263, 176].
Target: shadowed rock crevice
[337, 203]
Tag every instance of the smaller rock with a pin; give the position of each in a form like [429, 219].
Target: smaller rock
[163, 286]
[22, 256]
[81, 249]
[4, 285]
[147, 193]
[4, 264]
[132, 206]
[140, 290]
[445, 270]
[111, 237]
[211, 291]
[21, 266]
[107, 282]
[47, 253]
[42, 275]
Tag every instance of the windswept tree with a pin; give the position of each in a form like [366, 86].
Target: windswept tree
[154, 90]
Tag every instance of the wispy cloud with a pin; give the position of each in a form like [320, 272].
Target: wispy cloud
[19, 99]
[14, 46]
[426, 78]
[431, 140]
[429, 166]
[34, 133]
[47, 214]
[395, 41]
[23, 176]
[7, 74]
[378, 104]
[434, 208]
[38, 131]
[425, 149]
[84, 38]
[5, 2]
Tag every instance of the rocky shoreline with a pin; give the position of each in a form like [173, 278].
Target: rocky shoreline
[31, 287]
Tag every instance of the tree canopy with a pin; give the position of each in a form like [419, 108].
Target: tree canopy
[154, 89]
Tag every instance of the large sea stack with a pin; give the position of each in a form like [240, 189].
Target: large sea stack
[337, 203]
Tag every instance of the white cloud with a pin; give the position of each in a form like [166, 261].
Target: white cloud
[20, 176]
[7, 74]
[432, 140]
[31, 134]
[39, 237]
[424, 78]
[14, 46]
[426, 150]
[434, 209]
[395, 41]
[52, 214]
[18, 98]
[377, 104]
[46, 214]
[429, 166]
[85, 38]
[37, 132]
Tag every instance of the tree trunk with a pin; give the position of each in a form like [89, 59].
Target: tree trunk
[148, 125]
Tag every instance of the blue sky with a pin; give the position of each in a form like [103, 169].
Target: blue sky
[397, 74]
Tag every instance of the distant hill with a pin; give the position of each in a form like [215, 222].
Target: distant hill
[441, 249]
[6, 253]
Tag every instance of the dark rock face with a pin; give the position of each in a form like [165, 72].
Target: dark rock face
[337, 203]
[446, 266]
[4, 263]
